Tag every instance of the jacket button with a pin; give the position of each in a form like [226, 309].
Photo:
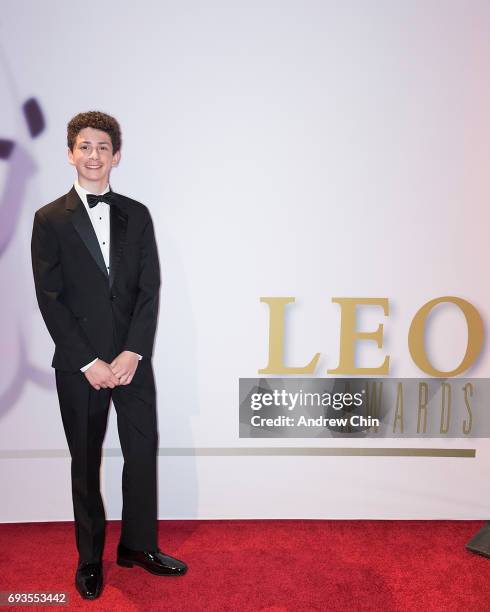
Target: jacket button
[113, 296]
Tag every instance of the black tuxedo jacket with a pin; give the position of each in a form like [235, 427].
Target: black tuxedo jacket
[89, 312]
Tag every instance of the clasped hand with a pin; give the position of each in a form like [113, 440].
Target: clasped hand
[103, 375]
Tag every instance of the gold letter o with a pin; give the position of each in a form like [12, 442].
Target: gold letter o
[416, 336]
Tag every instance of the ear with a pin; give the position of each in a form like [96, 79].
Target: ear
[70, 157]
[116, 158]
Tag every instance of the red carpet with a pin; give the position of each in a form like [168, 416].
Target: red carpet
[267, 566]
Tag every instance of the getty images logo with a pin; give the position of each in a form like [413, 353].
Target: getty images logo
[291, 400]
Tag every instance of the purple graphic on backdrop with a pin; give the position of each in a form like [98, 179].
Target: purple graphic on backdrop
[18, 169]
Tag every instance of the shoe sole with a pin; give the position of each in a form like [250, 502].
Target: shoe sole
[124, 563]
[90, 597]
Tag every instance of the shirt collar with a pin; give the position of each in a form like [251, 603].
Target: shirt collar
[82, 192]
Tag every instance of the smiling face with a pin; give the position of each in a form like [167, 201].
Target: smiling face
[93, 158]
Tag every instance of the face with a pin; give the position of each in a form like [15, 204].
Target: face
[92, 157]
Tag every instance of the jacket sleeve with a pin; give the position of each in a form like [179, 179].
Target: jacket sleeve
[63, 327]
[141, 333]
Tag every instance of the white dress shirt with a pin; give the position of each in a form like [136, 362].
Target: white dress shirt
[100, 216]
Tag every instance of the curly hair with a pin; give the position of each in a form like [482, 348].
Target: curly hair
[97, 121]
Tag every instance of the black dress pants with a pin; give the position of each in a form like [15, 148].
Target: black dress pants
[84, 413]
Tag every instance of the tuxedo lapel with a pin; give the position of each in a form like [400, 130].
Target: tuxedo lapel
[81, 221]
[119, 224]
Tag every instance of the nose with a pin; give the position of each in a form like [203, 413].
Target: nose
[94, 154]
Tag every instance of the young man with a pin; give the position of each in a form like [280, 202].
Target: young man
[97, 280]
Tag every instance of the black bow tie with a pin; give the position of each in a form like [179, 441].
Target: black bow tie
[93, 200]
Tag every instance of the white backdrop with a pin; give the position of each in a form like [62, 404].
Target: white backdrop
[307, 149]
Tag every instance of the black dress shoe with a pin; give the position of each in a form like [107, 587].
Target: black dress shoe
[88, 580]
[155, 562]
